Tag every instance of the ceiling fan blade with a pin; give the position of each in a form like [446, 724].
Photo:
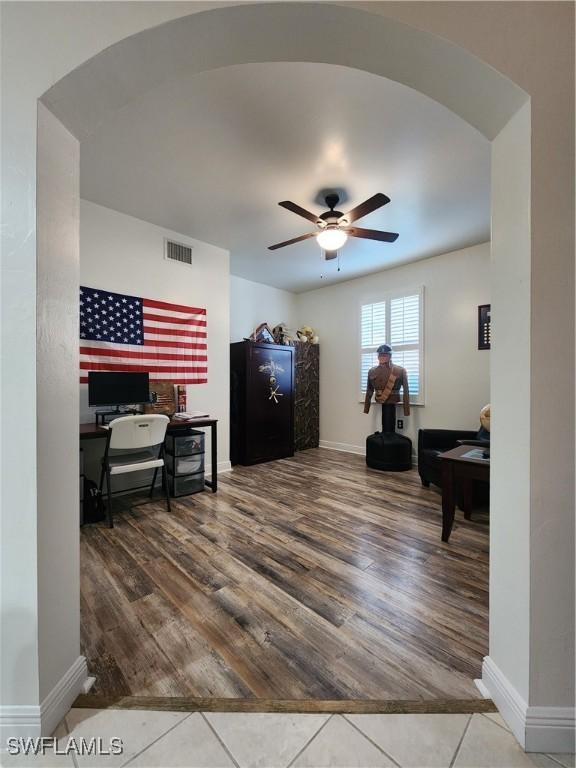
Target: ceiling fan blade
[374, 202]
[291, 242]
[372, 234]
[290, 206]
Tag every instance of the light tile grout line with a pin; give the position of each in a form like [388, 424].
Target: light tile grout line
[464, 732]
[495, 723]
[378, 747]
[554, 759]
[221, 742]
[67, 727]
[189, 714]
[310, 740]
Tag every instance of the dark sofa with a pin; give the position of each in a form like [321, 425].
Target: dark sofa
[433, 442]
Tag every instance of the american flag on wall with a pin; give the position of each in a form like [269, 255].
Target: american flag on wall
[127, 333]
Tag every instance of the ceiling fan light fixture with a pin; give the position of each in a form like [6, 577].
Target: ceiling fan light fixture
[331, 239]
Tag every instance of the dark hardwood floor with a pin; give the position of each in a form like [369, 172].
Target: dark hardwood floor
[311, 577]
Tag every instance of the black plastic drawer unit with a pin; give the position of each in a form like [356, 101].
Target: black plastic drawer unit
[184, 465]
[186, 484]
[186, 444]
[184, 458]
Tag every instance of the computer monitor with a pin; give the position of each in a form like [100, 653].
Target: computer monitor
[113, 389]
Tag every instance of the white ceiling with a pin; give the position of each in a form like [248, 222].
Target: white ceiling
[211, 155]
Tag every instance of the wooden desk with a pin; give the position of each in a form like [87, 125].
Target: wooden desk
[456, 468]
[92, 431]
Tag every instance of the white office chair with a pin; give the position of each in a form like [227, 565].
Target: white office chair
[134, 443]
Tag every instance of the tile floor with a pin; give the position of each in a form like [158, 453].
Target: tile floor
[221, 740]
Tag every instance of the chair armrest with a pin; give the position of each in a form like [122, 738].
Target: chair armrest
[443, 439]
[479, 443]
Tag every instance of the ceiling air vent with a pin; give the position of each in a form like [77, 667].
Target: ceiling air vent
[178, 252]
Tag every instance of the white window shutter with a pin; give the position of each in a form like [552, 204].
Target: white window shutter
[405, 320]
[396, 321]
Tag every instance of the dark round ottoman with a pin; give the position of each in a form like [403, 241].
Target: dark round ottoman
[389, 452]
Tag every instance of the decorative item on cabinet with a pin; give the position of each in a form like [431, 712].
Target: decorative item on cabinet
[262, 402]
[263, 334]
[306, 396]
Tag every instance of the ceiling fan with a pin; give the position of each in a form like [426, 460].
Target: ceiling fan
[334, 226]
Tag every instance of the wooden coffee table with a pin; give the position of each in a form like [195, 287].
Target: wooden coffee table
[459, 468]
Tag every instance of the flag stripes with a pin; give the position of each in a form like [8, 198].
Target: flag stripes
[166, 319]
[127, 333]
[92, 366]
[139, 355]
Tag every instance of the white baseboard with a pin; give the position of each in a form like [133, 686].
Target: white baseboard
[483, 690]
[537, 729]
[510, 703]
[88, 683]
[61, 697]
[19, 722]
[31, 721]
[222, 466]
[360, 450]
[345, 447]
[550, 729]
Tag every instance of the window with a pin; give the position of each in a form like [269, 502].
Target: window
[397, 321]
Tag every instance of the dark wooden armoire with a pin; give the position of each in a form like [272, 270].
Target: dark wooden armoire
[307, 396]
[261, 402]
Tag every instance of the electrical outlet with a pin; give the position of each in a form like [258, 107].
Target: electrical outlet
[400, 424]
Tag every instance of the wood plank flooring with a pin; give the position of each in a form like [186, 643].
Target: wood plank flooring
[308, 578]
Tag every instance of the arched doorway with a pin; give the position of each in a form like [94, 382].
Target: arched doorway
[420, 60]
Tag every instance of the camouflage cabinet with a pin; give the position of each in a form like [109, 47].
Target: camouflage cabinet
[306, 395]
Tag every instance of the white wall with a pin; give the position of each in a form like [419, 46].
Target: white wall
[124, 254]
[254, 303]
[509, 539]
[58, 189]
[456, 373]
